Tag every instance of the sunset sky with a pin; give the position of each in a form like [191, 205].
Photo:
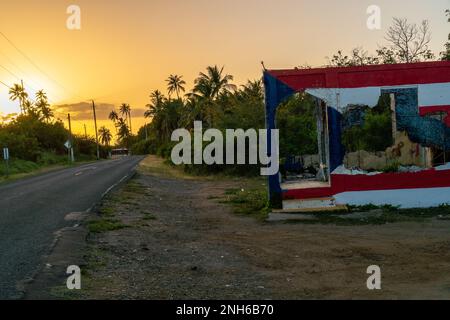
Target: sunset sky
[127, 48]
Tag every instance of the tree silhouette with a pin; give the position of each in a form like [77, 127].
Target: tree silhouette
[175, 84]
[410, 41]
[208, 87]
[125, 110]
[156, 104]
[123, 131]
[213, 83]
[105, 135]
[17, 92]
[43, 106]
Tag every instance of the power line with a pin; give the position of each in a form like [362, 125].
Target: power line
[10, 72]
[24, 73]
[27, 57]
[15, 76]
[36, 66]
[4, 84]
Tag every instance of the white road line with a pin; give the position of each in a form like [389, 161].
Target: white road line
[108, 190]
[113, 186]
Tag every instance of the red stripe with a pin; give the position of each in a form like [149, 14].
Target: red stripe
[433, 109]
[385, 181]
[423, 111]
[365, 76]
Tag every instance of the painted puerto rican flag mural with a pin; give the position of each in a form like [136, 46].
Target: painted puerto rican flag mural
[420, 89]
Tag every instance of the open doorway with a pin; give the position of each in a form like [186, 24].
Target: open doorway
[303, 124]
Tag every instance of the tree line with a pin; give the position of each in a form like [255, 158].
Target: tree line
[36, 138]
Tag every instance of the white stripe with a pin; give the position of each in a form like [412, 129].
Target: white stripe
[404, 198]
[435, 94]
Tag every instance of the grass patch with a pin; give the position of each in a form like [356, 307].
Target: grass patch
[253, 202]
[104, 225]
[62, 293]
[232, 192]
[96, 260]
[134, 188]
[148, 216]
[106, 211]
[19, 169]
[17, 166]
[157, 166]
[128, 202]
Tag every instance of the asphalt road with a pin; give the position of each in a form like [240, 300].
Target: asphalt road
[33, 209]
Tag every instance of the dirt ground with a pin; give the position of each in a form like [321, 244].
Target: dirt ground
[175, 240]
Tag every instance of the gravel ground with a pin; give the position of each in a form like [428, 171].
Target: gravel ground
[179, 242]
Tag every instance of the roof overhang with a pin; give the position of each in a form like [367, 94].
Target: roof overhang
[364, 76]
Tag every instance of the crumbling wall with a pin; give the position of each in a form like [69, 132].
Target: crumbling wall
[404, 152]
[426, 131]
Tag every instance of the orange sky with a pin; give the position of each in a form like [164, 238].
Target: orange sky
[126, 48]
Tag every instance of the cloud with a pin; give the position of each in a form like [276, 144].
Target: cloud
[83, 111]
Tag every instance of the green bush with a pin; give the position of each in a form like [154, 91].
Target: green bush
[18, 166]
[375, 134]
[20, 145]
[27, 137]
[144, 147]
[49, 158]
[297, 124]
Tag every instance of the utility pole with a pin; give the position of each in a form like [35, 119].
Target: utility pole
[85, 132]
[21, 100]
[96, 132]
[146, 132]
[71, 155]
[129, 114]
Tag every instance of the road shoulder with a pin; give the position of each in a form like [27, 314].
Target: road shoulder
[166, 236]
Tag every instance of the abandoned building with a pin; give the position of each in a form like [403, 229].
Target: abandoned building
[411, 170]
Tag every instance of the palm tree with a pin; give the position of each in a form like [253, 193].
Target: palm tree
[253, 89]
[125, 110]
[123, 131]
[168, 119]
[105, 135]
[17, 92]
[175, 84]
[29, 108]
[41, 95]
[208, 87]
[43, 106]
[46, 113]
[156, 104]
[213, 83]
[113, 116]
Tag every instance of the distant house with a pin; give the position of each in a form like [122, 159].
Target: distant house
[419, 96]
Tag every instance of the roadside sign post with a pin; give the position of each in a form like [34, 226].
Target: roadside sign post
[69, 148]
[96, 132]
[70, 142]
[6, 158]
